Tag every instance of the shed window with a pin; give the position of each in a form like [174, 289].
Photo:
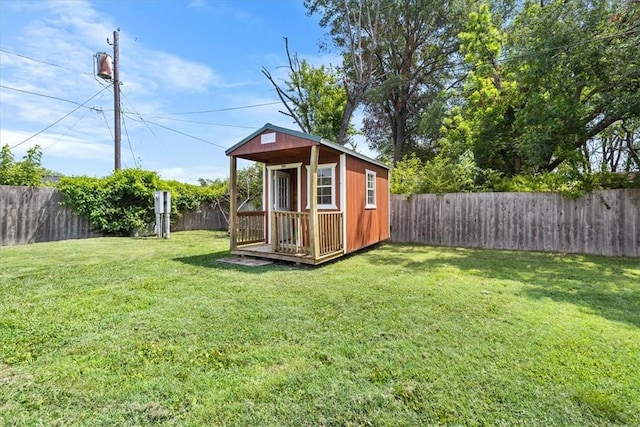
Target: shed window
[326, 184]
[371, 190]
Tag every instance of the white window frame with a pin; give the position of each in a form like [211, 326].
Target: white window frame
[367, 174]
[333, 205]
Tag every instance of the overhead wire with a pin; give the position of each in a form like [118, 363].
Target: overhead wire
[126, 131]
[216, 110]
[59, 120]
[137, 163]
[208, 123]
[140, 118]
[45, 96]
[183, 133]
[44, 150]
[43, 62]
[107, 123]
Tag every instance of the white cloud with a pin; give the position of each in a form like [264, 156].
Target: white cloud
[176, 73]
[191, 174]
[67, 35]
[197, 4]
[56, 145]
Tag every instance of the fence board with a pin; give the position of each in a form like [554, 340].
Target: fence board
[601, 223]
[35, 214]
[208, 217]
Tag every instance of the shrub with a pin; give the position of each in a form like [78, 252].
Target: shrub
[27, 172]
[438, 175]
[116, 204]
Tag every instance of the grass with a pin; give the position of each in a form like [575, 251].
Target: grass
[117, 331]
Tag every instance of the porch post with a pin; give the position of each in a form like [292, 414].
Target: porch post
[313, 203]
[233, 202]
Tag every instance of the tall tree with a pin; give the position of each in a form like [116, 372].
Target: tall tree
[354, 34]
[567, 71]
[313, 97]
[405, 55]
[485, 123]
[578, 67]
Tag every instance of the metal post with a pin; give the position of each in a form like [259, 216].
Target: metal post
[167, 214]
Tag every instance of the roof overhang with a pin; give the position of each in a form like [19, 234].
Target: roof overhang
[314, 138]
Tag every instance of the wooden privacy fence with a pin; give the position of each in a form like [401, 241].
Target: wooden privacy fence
[35, 214]
[208, 217]
[602, 223]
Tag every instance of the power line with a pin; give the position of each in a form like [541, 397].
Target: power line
[209, 123]
[217, 110]
[44, 150]
[126, 132]
[43, 62]
[104, 116]
[59, 120]
[141, 119]
[46, 96]
[152, 115]
[183, 133]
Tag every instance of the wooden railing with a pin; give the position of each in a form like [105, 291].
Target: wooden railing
[250, 227]
[330, 232]
[291, 233]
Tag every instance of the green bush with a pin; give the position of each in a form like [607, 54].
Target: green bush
[124, 201]
[566, 181]
[116, 204]
[438, 175]
[28, 172]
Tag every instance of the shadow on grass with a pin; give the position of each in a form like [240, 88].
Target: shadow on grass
[608, 287]
[212, 261]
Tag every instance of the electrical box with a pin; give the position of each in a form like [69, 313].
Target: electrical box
[162, 207]
[158, 200]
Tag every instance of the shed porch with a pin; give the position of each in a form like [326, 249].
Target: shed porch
[309, 237]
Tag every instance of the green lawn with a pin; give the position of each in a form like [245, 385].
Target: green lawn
[118, 331]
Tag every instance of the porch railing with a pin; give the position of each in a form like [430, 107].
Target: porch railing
[330, 232]
[250, 227]
[291, 233]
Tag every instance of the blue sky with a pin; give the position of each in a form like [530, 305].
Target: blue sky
[175, 57]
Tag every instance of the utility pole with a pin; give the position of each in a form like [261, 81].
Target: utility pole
[116, 100]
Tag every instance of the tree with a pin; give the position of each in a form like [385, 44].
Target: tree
[579, 68]
[567, 72]
[617, 149]
[313, 98]
[27, 172]
[249, 187]
[351, 33]
[405, 57]
[485, 123]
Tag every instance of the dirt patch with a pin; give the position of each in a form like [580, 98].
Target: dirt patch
[245, 261]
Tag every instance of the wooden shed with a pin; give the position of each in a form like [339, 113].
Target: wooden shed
[346, 209]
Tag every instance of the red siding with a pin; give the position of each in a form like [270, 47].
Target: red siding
[366, 227]
[283, 142]
[324, 158]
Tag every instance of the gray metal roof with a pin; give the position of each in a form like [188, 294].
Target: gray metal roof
[309, 137]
